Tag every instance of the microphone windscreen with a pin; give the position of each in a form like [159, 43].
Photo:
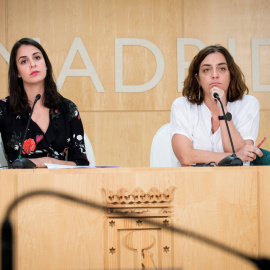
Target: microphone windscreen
[215, 95]
[38, 97]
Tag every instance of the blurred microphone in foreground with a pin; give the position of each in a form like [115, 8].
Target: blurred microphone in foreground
[7, 234]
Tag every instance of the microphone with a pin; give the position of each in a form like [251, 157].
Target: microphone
[6, 245]
[232, 160]
[25, 163]
[7, 235]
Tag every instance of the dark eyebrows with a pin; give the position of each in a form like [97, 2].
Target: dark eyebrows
[219, 64]
[206, 65]
[32, 54]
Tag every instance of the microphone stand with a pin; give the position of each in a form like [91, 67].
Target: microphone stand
[25, 163]
[232, 160]
[7, 235]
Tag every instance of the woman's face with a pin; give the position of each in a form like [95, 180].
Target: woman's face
[214, 72]
[31, 65]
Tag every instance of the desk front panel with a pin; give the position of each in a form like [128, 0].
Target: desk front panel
[224, 204]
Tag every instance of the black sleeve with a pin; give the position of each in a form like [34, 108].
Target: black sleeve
[77, 150]
[12, 141]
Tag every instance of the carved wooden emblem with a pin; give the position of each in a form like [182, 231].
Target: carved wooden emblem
[153, 203]
[137, 244]
[139, 229]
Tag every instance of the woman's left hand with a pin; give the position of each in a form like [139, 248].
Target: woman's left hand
[249, 153]
[222, 96]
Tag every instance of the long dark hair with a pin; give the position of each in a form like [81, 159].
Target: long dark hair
[237, 86]
[18, 98]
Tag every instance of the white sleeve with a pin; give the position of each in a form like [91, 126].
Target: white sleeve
[248, 125]
[180, 123]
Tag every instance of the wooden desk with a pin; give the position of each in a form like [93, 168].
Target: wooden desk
[230, 205]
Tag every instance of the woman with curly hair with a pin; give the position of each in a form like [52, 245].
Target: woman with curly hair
[198, 128]
[55, 125]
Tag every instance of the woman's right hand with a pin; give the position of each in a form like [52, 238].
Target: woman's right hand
[249, 152]
[40, 162]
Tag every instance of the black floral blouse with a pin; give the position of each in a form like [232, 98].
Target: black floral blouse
[65, 134]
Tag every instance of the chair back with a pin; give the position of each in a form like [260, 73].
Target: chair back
[3, 159]
[89, 151]
[162, 154]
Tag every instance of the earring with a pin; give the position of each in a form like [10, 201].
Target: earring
[229, 94]
[199, 92]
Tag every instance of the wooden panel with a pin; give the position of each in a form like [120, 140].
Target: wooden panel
[7, 191]
[73, 227]
[193, 215]
[98, 23]
[229, 205]
[123, 138]
[263, 189]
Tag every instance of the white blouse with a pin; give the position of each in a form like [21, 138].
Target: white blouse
[194, 122]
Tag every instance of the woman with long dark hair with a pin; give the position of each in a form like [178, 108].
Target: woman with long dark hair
[198, 128]
[55, 127]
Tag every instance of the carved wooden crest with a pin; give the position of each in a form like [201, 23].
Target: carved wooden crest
[135, 243]
[153, 203]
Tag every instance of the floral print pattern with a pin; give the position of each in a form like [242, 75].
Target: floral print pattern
[15, 141]
[73, 110]
[54, 114]
[64, 138]
[29, 146]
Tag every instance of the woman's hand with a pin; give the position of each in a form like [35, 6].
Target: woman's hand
[222, 95]
[40, 162]
[248, 153]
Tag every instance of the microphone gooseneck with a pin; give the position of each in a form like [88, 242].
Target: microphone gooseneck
[24, 136]
[232, 160]
[21, 163]
[225, 118]
[7, 238]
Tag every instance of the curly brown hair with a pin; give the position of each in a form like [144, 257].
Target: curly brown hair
[237, 86]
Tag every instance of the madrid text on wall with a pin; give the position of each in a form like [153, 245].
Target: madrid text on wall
[77, 46]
